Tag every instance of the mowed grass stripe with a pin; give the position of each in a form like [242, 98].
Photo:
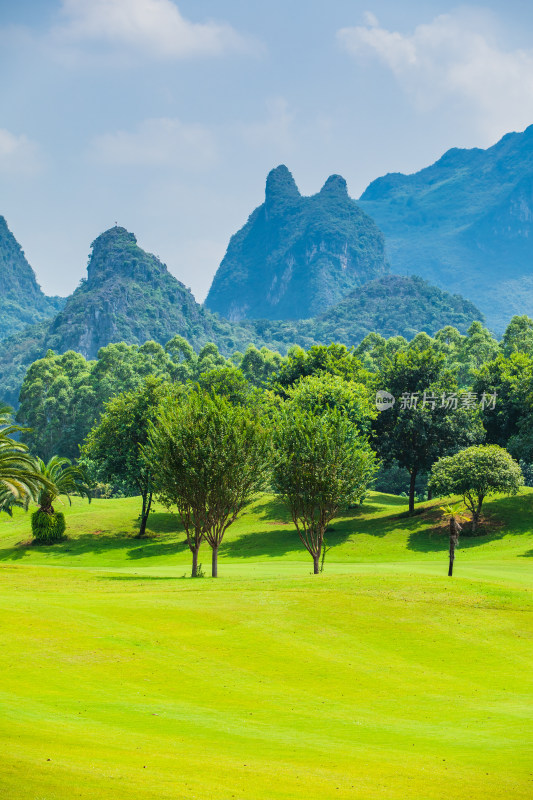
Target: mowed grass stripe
[385, 682]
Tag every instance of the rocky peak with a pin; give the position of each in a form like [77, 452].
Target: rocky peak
[335, 185]
[116, 253]
[296, 256]
[281, 190]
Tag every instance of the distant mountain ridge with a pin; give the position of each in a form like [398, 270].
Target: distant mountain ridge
[297, 256]
[23, 302]
[130, 296]
[465, 224]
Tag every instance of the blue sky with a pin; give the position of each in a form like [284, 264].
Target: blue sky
[167, 116]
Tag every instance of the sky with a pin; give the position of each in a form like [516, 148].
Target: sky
[166, 116]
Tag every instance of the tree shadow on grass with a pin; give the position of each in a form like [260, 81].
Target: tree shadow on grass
[279, 541]
[97, 542]
[163, 522]
[368, 518]
[502, 517]
[143, 577]
[155, 549]
[102, 541]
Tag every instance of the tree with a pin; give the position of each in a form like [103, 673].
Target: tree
[20, 480]
[227, 382]
[476, 473]
[518, 337]
[454, 529]
[422, 425]
[475, 349]
[209, 458]
[62, 397]
[322, 464]
[510, 380]
[335, 359]
[114, 447]
[258, 366]
[63, 478]
[375, 349]
[57, 404]
[320, 392]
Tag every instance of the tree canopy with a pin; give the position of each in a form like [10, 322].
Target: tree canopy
[475, 473]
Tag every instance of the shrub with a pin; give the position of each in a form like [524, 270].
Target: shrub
[48, 528]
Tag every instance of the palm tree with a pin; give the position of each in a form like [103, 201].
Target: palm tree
[454, 515]
[60, 477]
[20, 480]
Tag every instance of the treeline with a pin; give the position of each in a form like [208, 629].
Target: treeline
[63, 396]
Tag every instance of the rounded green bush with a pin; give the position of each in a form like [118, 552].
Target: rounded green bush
[48, 528]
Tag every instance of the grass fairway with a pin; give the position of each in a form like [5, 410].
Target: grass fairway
[380, 678]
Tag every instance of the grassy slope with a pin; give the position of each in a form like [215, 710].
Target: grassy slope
[380, 678]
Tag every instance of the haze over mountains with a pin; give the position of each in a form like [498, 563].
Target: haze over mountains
[23, 302]
[465, 224]
[297, 256]
[130, 296]
[305, 270]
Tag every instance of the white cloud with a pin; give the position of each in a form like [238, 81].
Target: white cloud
[18, 154]
[154, 28]
[159, 142]
[456, 57]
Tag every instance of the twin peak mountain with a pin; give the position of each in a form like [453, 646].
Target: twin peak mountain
[297, 256]
[302, 270]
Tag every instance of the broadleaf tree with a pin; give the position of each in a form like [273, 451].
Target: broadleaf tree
[209, 458]
[476, 473]
[322, 464]
[424, 423]
[114, 448]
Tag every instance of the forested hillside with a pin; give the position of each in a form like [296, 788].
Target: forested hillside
[297, 256]
[23, 303]
[465, 224]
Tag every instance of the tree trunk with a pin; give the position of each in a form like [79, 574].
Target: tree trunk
[214, 563]
[475, 519]
[194, 572]
[316, 564]
[412, 492]
[452, 556]
[147, 503]
[455, 530]
[430, 493]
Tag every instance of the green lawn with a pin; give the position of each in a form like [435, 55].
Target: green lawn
[380, 678]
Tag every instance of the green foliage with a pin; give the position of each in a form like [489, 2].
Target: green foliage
[113, 449]
[62, 479]
[414, 436]
[518, 337]
[209, 458]
[20, 478]
[296, 256]
[57, 402]
[511, 379]
[464, 223]
[48, 527]
[393, 479]
[227, 382]
[23, 302]
[476, 473]
[322, 392]
[322, 464]
[334, 359]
